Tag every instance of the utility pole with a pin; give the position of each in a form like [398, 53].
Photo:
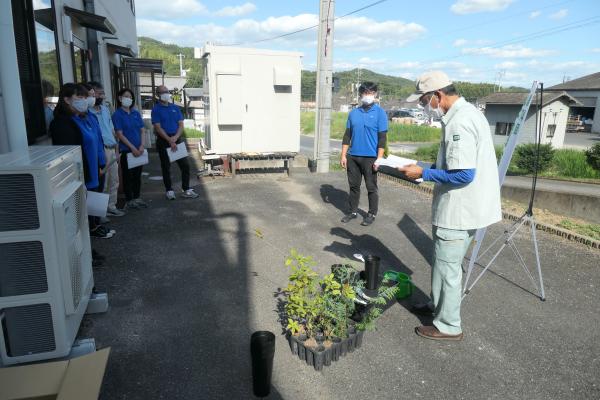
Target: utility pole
[324, 86]
[181, 56]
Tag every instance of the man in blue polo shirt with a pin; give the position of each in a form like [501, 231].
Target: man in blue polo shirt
[364, 142]
[168, 127]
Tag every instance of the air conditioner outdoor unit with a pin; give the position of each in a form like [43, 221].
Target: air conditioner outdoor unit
[45, 256]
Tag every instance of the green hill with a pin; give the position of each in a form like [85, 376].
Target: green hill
[389, 86]
[151, 48]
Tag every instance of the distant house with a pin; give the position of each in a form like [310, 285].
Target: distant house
[502, 109]
[174, 83]
[194, 105]
[585, 116]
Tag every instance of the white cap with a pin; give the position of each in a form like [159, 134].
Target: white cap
[429, 82]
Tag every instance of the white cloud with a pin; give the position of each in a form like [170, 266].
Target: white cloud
[506, 65]
[595, 50]
[236, 11]
[374, 35]
[559, 14]
[371, 61]
[459, 42]
[535, 14]
[169, 10]
[510, 51]
[476, 6]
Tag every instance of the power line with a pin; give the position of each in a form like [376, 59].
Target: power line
[308, 27]
[535, 35]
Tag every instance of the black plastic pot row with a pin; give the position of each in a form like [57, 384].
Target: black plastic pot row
[321, 356]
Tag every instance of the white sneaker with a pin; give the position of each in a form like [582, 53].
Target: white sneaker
[115, 212]
[190, 194]
[171, 195]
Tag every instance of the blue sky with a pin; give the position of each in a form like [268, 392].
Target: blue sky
[472, 40]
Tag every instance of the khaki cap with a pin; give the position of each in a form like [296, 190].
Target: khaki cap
[429, 82]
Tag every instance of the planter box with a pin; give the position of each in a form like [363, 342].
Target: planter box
[321, 356]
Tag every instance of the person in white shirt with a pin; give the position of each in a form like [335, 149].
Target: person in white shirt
[466, 196]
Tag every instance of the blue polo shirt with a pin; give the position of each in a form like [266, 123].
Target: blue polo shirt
[168, 116]
[92, 146]
[130, 123]
[365, 125]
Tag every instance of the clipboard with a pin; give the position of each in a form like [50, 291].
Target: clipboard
[179, 154]
[133, 161]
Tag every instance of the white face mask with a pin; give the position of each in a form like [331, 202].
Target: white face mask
[126, 101]
[81, 105]
[368, 99]
[166, 97]
[431, 112]
[91, 101]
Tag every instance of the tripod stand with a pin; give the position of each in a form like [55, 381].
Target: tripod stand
[526, 220]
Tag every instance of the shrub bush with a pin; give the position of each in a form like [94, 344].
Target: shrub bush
[428, 153]
[527, 154]
[592, 156]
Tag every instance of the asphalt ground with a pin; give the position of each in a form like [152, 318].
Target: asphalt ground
[190, 280]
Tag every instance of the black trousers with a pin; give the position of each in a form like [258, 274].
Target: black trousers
[357, 168]
[165, 165]
[132, 179]
[93, 221]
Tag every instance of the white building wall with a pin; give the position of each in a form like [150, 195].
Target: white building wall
[554, 113]
[119, 14]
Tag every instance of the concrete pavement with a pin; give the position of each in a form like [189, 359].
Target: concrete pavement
[190, 280]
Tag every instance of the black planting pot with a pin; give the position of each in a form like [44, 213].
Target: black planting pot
[293, 344]
[336, 348]
[318, 357]
[372, 271]
[343, 349]
[301, 348]
[328, 356]
[358, 339]
[262, 350]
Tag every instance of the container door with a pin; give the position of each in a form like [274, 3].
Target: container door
[229, 112]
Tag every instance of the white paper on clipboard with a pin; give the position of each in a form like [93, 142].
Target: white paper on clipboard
[133, 161]
[396, 162]
[180, 153]
[97, 204]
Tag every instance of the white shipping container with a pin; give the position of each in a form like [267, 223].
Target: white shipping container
[252, 102]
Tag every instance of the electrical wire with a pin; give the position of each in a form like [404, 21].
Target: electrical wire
[307, 28]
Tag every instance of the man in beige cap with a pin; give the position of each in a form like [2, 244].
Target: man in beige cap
[466, 196]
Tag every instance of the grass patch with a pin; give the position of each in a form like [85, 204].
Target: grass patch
[571, 163]
[396, 132]
[591, 230]
[413, 133]
[192, 133]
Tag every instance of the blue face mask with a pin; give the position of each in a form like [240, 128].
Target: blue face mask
[80, 105]
[434, 113]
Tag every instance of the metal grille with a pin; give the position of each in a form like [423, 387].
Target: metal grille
[22, 269]
[28, 330]
[72, 210]
[18, 206]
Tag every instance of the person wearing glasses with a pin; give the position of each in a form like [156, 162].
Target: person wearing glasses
[466, 196]
[363, 143]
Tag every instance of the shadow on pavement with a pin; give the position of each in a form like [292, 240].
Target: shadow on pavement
[179, 323]
[367, 244]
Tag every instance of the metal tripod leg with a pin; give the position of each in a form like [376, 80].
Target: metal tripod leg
[508, 235]
[537, 259]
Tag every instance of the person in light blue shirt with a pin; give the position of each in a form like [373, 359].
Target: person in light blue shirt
[111, 150]
[363, 143]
